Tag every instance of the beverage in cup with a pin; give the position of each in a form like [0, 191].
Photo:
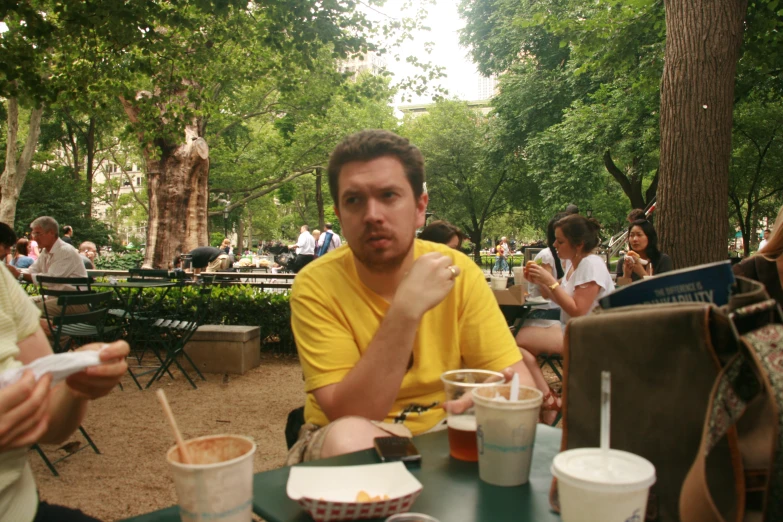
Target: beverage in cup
[506, 433]
[519, 275]
[218, 485]
[411, 517]
[461, 415]
[498, 282]
[598, 486]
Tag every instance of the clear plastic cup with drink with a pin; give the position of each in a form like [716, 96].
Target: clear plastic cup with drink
[218, 485]
[461, 415]
[594, 485]
[506, 433]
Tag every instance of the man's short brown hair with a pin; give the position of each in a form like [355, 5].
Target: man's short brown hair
[372, 144]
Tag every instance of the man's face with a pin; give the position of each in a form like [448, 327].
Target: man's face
[378, 213]
[4, 251]
[766, 234]
[44, 238]
[88, 251]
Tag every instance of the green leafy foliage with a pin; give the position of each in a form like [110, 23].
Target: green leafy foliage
[114, 261]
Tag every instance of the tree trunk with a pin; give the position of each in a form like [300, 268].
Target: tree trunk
[697, 93]
[15, 171]
[177, 191]
[89, 169]
[240, 237]
[319, 199]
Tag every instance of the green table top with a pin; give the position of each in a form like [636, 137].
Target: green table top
[452, 489]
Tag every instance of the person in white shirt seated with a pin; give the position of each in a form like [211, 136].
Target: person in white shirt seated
[57, 259]
[586, 281]
[305, 249]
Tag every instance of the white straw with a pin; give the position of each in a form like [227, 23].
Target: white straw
[606, 410]
[514, 393]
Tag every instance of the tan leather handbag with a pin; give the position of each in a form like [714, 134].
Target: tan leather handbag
[665, 362]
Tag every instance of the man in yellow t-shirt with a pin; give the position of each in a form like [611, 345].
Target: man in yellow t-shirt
[378, 322]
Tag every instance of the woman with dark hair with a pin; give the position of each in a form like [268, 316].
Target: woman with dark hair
[542, 316]
[644, 259]
[21, 258]
[444, 233]
[585, 282]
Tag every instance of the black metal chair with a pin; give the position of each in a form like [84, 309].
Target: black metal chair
[87, 326]
[175, 332]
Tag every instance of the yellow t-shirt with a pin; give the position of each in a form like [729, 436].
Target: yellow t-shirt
[335, 316]
[18, 320]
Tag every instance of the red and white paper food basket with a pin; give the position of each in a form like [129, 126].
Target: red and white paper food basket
[329, 493]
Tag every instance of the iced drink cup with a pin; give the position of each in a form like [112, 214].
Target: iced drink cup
[461, 416]
[219, 483]
[519, 275]
[506, 433]
[498, 282]
[597, 488]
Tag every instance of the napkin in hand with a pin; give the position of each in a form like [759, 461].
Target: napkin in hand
[59, 365]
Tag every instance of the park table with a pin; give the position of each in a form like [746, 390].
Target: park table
[452, 490]
[130, 295]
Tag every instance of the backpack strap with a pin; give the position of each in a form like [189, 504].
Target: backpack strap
[751, 378]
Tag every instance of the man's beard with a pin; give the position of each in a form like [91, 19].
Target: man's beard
[380, 266]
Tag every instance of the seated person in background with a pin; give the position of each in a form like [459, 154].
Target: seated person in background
[21, 259]
[644, 246]
[57, 259]
[376, 324]
[766, 266]
[32, 412]
[210, 258]
[7, 241]
[542, 316]
[444, 233]
[89, 252]
[585, 282]
[635, 215]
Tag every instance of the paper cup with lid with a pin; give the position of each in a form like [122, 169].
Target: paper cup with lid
[597, 487]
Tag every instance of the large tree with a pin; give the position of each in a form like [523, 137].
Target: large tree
[469, 180]
[703, 40]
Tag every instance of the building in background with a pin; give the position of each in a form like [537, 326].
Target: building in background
[370, 62]
[487, 87]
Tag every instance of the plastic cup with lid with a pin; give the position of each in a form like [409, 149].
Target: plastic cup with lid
[598, 486]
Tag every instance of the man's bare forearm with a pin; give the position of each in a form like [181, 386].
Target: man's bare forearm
[370, 388]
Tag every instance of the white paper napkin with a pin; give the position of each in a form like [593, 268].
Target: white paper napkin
[59, 365]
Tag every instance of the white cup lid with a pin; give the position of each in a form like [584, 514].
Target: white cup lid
[589, 468]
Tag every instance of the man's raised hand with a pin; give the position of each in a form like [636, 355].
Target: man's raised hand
[429, 281]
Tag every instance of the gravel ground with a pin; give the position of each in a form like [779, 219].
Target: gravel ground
[130, 476]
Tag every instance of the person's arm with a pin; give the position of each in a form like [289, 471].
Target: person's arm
[584, 294]
[370, 388]
[67, 402]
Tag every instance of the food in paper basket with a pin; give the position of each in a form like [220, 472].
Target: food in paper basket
[330, 493]
[363, 496]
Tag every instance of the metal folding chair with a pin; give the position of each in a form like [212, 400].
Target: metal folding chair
[87, 324]
[176, 331]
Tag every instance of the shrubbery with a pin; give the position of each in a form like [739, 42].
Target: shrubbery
[114, 261]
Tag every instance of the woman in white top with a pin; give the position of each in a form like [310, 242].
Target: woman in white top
[585, 282]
